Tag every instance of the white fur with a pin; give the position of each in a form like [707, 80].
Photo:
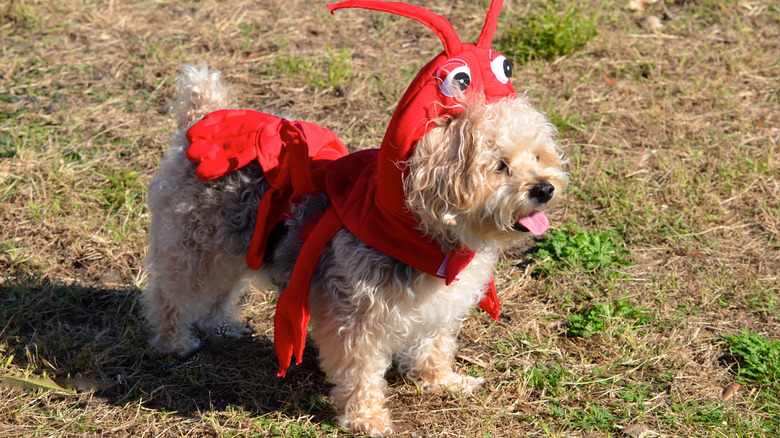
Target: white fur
[366, 307]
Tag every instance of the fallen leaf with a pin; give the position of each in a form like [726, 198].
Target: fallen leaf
[640, 5]
[651, 22]
[730, 391]
[31, 383]
[527, 409]
[609, 81]
[637, 430]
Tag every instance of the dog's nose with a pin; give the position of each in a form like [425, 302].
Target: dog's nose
[542, 192]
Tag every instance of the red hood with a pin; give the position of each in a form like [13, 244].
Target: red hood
[423, 105]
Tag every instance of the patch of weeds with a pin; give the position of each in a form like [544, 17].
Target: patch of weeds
[13, 253]
[565, 123]
[593, 416]
[247, 29]
[721, 417]
[292, 429]
[22, 15]
[332, 72]
[339, 66]
[292, 65]
[760, 299]
[597, 319]
[552, 30]
[758, 357]
[547, 378]
[636, 393]
[575, 248]
[124, 190]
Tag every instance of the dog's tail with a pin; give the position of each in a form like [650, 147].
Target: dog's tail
[199, 91]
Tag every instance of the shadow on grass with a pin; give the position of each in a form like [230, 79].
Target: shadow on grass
[93, 338]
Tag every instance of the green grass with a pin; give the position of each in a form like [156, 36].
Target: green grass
[331, 71]
[572, 247]
[758, 358]
[600, 317]
[551, 30]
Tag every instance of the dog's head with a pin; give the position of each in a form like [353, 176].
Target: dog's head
[483, 176]
[471, 160]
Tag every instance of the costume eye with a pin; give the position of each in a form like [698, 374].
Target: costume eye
[502, 68]
[456, 81]
[502, 167]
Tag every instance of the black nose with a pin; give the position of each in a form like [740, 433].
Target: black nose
[542, 192]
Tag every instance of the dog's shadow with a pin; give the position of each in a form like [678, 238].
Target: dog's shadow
[94, 339]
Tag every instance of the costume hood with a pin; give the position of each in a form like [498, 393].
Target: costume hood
[439, 90]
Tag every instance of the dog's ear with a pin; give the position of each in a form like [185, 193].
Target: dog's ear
[440, 175]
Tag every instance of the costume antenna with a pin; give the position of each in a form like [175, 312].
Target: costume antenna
[437, 23]
[489, 28]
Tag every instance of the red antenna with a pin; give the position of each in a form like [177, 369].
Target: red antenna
[489, 28]
[437, 23]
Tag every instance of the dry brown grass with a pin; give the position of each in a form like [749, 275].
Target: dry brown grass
[673, 138]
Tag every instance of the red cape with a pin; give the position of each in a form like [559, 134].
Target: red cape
[300, 158]
[365, 188]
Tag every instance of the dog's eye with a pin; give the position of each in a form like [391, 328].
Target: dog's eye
[502, 68]
[502, 167]
[537, 158]
[456, 81]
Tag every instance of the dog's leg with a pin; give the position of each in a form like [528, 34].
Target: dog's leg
[196, 293]
[221, 291]
[355, 362]
[168, 307]
[429, 362]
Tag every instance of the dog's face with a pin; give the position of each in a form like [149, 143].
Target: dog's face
[482, 177]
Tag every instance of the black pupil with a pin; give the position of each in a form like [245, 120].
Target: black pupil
[507, 68]
[462, 80]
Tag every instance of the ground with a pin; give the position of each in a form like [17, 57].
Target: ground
[651, 309]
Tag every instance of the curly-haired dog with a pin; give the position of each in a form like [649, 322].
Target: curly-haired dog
[478, 178]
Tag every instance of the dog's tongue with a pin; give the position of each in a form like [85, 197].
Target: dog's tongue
[536, 222]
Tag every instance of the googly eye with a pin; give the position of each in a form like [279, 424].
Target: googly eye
[502, 68]
[456, 81]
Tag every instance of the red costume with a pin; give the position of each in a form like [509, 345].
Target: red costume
[365, 188]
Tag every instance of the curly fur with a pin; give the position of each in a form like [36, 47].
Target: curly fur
[367, 307]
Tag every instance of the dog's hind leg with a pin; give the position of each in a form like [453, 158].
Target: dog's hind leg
[177, 305]
[221, 317]
[169, 306]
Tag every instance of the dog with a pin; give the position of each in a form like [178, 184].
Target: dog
[478, 178]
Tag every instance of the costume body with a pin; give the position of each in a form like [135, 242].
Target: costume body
[365, 188]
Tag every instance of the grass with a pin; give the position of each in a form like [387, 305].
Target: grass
[585, 323]
[550, 30]
[571, 247]
[655, 289]
[758, 358]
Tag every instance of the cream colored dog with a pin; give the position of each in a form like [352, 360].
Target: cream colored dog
[470, 179]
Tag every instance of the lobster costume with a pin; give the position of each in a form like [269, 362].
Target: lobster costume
[365, 188]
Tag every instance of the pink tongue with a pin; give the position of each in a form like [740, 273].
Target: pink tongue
[536, 223]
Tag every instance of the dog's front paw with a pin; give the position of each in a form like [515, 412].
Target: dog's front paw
[375, 424]
[455, 383]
